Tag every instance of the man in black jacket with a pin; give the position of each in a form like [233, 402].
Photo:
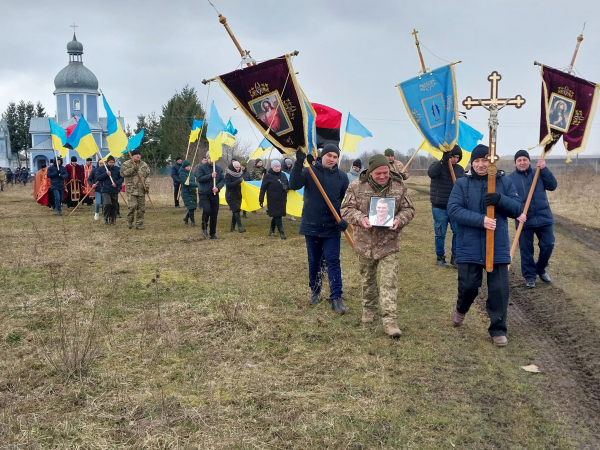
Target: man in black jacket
[175, 168]
[110, 185]
[208, 194]
[57, 175]
[439, 191]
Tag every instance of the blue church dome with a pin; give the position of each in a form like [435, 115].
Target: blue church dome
[75, 78]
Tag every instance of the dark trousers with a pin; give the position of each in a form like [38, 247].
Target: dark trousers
[276, 222]
[176, 193]
[111, 203]
[58, 195]
[469, 282]
[328, 248]
[440, 225]
[210, 210]
[529, 267]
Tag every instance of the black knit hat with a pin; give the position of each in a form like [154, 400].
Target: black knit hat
[524, 153]
[110, 158]
[73, 158]
[357, 163]
[135, 152]
[88, 159]
[178, 158]
[481, 151]
[330, 148]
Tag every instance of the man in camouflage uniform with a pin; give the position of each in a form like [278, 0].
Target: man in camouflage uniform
[258, 171]
[395, 166]
[378, 246]
[2, 179]
[136, 193]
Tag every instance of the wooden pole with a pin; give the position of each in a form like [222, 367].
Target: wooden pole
[243, 54]
[513, 248]
[214, 178]
[80, 202]
[419, 50]
[411, 158]
[579, 39]
[452, 171]
[331, 208]
[142, 181]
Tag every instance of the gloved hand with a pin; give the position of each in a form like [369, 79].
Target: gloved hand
[445, 157]
[310, 159]
[491, 199]
[403, 175]
[261, 204]
[342, 225]
[300, 157]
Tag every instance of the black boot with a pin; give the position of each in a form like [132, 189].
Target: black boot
[192, 219]
[241, 229]
[204, 231]
[271, 232]
[281, 233]
[245, 216]
[441, 261]
[233, 222]
[453, 261]
[185, 219]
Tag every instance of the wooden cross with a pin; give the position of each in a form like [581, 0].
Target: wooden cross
[493, 105]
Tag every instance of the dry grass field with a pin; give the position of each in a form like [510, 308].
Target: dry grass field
[116, 338]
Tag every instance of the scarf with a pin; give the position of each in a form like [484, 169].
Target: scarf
[235, 174]
[378, 187]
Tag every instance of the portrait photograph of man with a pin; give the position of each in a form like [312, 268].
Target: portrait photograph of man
[381, 211]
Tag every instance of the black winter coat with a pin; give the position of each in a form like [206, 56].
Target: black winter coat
[441, 180]
[57, 179]
[233, 190]
[317, 219]
[175, 170]
[275, 185]
[246, 176]
[539, 213]
[205, 180]
[104, 180]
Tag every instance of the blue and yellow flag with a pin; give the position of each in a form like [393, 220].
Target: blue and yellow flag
[134, 141]
[196, 128]
[59, 138]
[430, 101]
[262, 148]
[116, 139]
[311, 127]
[355, 132]
[468, 137]
[82, 141]
[214, 133]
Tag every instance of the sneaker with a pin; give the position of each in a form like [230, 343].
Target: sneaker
[367, 317]
[337, 306]
[129, 225]
[500, 341]
[96, 216]
[282, 235]
[441, 261]
[545, 277]
[292, 218]
[314, 298]
[530, 283]
[271, 233]
[392, 330]
[457, 318]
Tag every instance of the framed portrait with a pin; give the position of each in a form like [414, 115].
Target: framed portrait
[560, 112]
[270, 112]
[381, 211]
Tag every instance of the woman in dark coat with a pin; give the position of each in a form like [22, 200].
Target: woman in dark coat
[188, 191]
[275, 185]
[233, 193]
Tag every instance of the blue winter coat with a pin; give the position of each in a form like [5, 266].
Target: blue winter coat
[538, 214]
[317, 219]
[466, 208]
[205, 179]
[104, 180]
[175, 171]
[57, 179]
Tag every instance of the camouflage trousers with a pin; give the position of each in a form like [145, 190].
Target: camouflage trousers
[383, 291]
[136, 203]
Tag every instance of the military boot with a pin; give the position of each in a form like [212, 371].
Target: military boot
[392, 330]
[441, 261]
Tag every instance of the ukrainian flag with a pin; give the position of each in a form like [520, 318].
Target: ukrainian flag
[81, 140]
[468, 137]
[196, 128]
[263, 148]
[134, 141]
[59, 138]
[215, 134]
[355, 132]
[116, 139]
[229, 135]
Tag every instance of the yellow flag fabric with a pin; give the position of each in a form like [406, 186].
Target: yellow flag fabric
[295, 202]
[251, 192]
[263, 148]
[426, 147]
[228, 139]
[215, 147]
[58, 146]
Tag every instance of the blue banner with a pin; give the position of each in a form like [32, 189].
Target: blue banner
[430, 100]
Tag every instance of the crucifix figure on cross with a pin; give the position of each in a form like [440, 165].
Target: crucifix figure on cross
[493, 105]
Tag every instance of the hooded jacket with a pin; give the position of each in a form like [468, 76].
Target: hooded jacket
[317, 219]
[441, 180]
[466, 208]
[352, 175]
[275, 185]
[539, 213]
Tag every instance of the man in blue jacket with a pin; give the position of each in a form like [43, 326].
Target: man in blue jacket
[320, 229]
[208, 194]
[111, 181]
[467, 207]
[539, 217]
[57, 174]
[175, 169]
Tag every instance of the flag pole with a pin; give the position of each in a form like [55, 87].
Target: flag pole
[142, 181]
[411, 158]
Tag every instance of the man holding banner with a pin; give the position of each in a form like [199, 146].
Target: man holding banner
[208, 194]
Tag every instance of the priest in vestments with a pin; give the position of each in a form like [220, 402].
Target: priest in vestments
[41, 187]
[87, 187]
[74, 183]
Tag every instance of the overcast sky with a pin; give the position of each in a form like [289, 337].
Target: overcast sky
[352, 54]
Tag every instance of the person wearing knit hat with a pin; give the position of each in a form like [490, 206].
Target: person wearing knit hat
[259, 171]
[275, 186]
[189, 189]
[539, 220]
[233, 193]
[318, 225]
[57, 175]
[378, 246]
[110, 181]
[137, 185]
[355, 170]
[287, 165]
[467, 206]
[439, 190]
[395, 165]
[210, 182]
[175, 169]
[246, 176]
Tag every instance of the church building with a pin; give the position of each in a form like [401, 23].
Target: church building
[76, 92]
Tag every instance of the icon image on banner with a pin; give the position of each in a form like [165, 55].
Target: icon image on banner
[435, 110]
[561, 112]
[268, 109]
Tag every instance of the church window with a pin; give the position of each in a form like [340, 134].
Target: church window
[76, 105]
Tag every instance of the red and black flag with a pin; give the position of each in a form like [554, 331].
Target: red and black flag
[270, 96]
[568, 107]
[329, 122]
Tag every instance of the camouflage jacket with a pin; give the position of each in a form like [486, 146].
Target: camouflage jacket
[376, 242]
[257, 173]
[133, 186]
[398, 167]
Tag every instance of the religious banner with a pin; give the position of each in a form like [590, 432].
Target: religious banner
[568, 107]
[270, 96]
[430, 100]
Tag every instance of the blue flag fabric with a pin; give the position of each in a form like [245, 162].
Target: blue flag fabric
[468, 137]
[430, 100]
[134, 141]
[311, 128]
